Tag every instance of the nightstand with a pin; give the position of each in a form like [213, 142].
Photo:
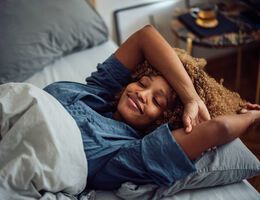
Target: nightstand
[243, 37]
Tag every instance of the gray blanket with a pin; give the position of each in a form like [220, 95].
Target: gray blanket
[41, 151]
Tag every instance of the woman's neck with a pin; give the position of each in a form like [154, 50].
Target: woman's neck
[116, 116]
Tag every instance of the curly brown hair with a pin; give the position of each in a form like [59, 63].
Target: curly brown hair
[218, 99]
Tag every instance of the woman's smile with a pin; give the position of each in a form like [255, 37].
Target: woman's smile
[134, 104]
[143, 101]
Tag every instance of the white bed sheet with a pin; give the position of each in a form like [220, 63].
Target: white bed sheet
[237, 191]
[76, 67]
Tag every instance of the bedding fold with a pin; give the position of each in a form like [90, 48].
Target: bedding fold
[41, 150]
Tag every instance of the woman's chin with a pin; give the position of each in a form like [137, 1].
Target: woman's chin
[132, 121]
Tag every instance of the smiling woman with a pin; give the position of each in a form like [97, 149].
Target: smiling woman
[116, 143]
[148, 44]
[144, 101]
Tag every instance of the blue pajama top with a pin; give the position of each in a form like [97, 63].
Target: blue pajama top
[116, 152]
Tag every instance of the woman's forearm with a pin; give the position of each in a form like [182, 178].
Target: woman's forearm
[150, 45]
[214, 132]
[237, 124]
[163, 57]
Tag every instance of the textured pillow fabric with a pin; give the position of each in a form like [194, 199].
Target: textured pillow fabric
[34, 33]
[227, 164]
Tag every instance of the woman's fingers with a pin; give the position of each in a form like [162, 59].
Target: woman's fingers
[242, 111]
[188, 129]
[190, 122]
[251, 106]
[196, 121]
[195, 113]
[204, 115]
[187, 124]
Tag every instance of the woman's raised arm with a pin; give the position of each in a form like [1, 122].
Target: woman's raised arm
[148, 44]
[217, 131]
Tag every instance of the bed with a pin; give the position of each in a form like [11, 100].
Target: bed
[76, 66]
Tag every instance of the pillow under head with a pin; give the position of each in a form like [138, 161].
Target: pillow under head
[227, 164]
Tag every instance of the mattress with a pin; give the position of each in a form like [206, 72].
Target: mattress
[76, 67]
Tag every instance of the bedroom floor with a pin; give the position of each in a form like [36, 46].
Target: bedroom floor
[226, 69]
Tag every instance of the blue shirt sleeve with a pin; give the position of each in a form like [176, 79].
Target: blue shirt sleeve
[110, 78]
[156, 158]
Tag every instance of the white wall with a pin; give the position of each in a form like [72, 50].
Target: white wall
[106, 9]
[158, 14]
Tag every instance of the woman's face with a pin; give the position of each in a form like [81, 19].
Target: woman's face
[144, 101]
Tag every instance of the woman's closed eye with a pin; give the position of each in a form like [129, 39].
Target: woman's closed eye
[156, 102]
[141, 84]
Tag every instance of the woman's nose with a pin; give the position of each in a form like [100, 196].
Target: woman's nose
[142, 96]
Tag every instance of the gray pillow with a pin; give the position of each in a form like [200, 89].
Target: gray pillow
[227, 164]
[34, 33]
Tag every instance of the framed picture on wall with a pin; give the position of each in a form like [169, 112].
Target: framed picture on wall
[128, 20]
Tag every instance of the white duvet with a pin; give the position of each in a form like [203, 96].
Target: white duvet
[41, 152]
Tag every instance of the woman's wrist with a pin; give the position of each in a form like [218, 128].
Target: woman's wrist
[190, 97]
[255, 114]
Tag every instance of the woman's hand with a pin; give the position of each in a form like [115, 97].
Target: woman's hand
[195, 112]
[248, 107]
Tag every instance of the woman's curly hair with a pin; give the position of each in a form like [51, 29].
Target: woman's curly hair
[218, 99]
